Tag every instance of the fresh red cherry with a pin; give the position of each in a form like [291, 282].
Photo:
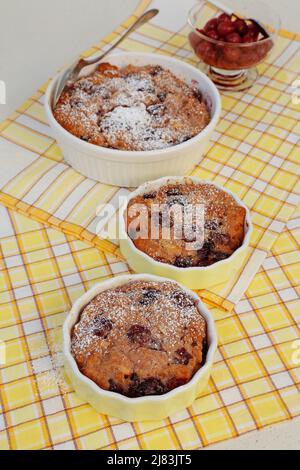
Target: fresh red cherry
[201, 31]
[204, 48]
[211, 24]
[211, 57]
[250, 58]
[206, 52]
[224, 18]
[233, 37]
[263, 48]
[212, 34]
[252, 28]
[232, 54]
[194, 39]
[249, 37]
[240, 26]
[225, 28]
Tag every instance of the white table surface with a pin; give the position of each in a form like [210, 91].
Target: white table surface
[38, 36]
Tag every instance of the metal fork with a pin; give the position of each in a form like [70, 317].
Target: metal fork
[72, 73]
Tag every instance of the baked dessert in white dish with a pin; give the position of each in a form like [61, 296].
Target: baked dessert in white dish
[141, 338]
[130, 168]
[197, 262]
[150, 399]
[132, 108]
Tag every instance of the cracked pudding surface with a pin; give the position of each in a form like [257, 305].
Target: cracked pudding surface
[223, 230]
[141, 338]
[132, 108]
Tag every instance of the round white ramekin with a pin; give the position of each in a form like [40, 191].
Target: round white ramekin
[196, 277]
[152, 407]
[127, 168]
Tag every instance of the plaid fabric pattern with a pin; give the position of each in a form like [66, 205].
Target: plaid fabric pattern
[255, 380]
[254, 151]
[49, 256]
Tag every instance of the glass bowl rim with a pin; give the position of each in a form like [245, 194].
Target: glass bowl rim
[194, 9]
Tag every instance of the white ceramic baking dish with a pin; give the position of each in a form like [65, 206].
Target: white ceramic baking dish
[127, 168]
[143, 408]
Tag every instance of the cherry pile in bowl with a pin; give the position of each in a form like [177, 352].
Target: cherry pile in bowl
[230, 43]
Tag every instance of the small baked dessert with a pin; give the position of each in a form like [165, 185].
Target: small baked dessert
[132, 108]
[201, 242]
[141, 338]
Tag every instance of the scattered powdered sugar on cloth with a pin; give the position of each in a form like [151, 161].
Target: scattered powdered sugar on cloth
[48, 366]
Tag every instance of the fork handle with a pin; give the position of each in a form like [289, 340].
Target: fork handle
[72, 74]
[139, 22]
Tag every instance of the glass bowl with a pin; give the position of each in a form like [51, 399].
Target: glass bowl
[232, 66]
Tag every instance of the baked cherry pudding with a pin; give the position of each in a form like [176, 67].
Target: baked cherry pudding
[202, 241]
[140, 338]
[132, 108]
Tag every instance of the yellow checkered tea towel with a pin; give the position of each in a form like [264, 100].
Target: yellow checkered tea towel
[255, 379]
[254, 151]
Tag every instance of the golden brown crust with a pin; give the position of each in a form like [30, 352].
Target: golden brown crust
[132, 108]
[223, 225]
[142, 338]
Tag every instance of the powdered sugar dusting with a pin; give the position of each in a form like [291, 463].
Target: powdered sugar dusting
[133, 108]
[218, 232]
[163, 307]
[137, 121]
[140, 338]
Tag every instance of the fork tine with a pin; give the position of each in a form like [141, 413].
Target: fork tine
[60, 85]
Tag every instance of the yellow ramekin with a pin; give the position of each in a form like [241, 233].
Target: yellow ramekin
[201, 277]
[142, 408]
